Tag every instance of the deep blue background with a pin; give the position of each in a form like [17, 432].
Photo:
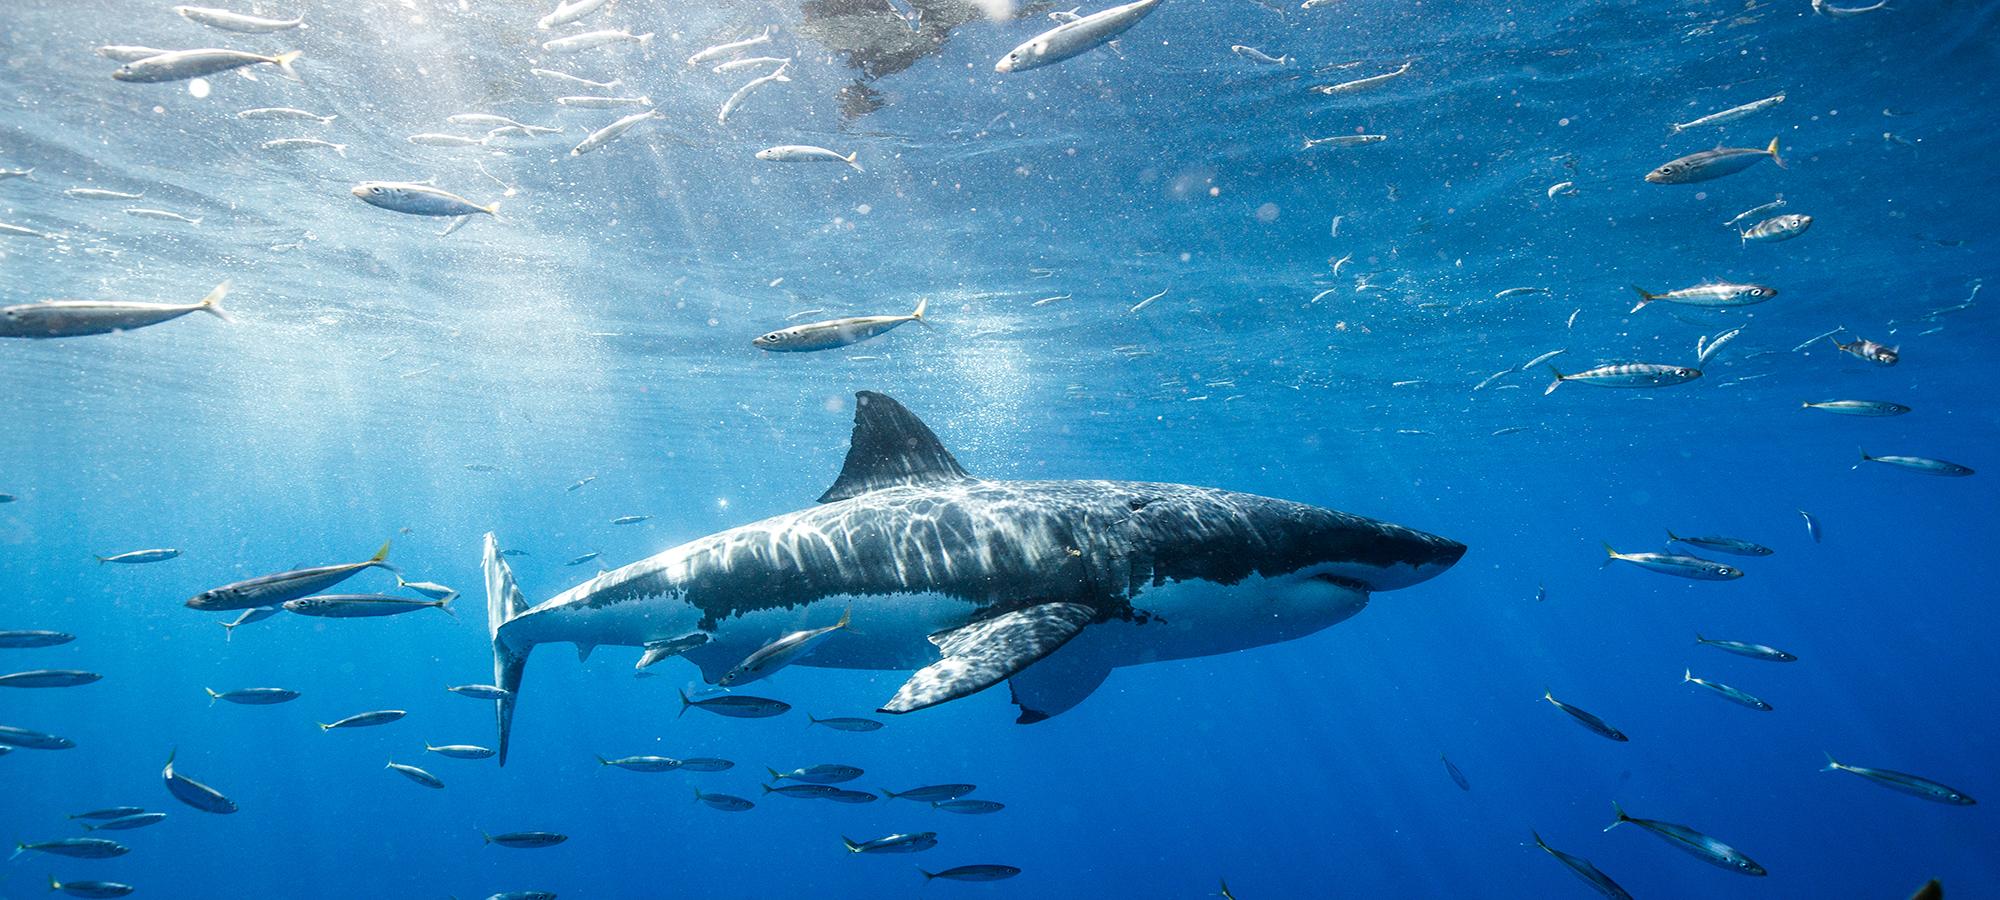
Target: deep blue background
[602, 327]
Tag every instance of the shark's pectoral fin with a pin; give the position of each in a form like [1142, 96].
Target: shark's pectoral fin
[982, 654]
[1057, 684]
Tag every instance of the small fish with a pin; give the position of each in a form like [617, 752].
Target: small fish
[109, 812]
[1703, 847]
[304, 144]
[481, 691]
[100, 194]
[438, 139]
[8, 174]
[1627, 375]
[1753, 651]
[780, 653]
[194, 793]
[181, 65]
[1552, 354]
[32, 740]
[1541, 593]
[749, 62]
[90, 888]
[1148, 302]
[417, 775]
[572, 79]
[581, 102]
[22, 231]
[979, 872]
[591, 40]
[161, 215]
[803, 791]
[629, 520]
[1756, 211]
[1908, 784]
[1729, 545]
[128, 822]
[1862, 348]
[1258, 56]
[567, 12]
[1705, 351]
[895, 843]
[1670, 564]
[362, 606]
[1919, 464]
[932, 793]
[706, 764]
[1457, 777]
[587, 557]
[1361, 84]
[1511, 429]
[253, 614]
[49, 678]
[1812, 525]
[1842, 12]
[820, 774]
[580, 483]
[1595, 724]
[285, 113]
[1709, 295]
[79, 848]
[743, 93]
[736, 706]
[833, 333]
[642, 763]
[1561, 189]
[414, 199]
[610, 132]
[140, 556]
[668, 649]
[805, 153]
[733, 47]
[525, 840]
[253, 696]
[489, 120]
[1584, 870]
[1873, 408]
[1726, 692]
[1345, 140]
[127, 53]
[1712, 164]
[724, 802]
[366, 719]
[514, 553]
[461, 751]
[237, 22]
[845, 723]
[429, 589]
[1519, 292]
[968, 807]
[1778, 228]
[1733, 113]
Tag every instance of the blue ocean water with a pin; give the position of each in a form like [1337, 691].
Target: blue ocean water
[600, 325]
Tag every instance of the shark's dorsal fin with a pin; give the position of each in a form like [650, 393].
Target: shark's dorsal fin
[891, 448]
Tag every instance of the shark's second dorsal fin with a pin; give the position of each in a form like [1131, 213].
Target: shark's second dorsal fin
[891, 448]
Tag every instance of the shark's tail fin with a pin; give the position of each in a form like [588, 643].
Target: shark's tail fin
[503, 604]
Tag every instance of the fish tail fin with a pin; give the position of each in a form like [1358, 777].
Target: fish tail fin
[1645, 297]
[1699, 639]
[1609, 555]
[228, 631]
[1687, 675]
[1831, 764]
[381, 556]
[1671, 537]
[19, 848]
[775, 775]
[601, 760]
[1773, 150]
[928, 876]
[87, 826]
[212, 304]
[1560, 378]
[100, 560]
[852, 847]
[483, 836]
[923, 304]
[1618, 811]
[767, 788]
[810, 721]
[284, 62]
[212, 696]
[851, 157]
[1538, 839]
[444, 606]
[54, 885]
[685, 703]
[847, 615]
[491, 209]
[889, 794]
[504, 604]
[323, 726]
[645, 39]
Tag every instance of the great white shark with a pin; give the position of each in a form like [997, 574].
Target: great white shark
[1047, 585]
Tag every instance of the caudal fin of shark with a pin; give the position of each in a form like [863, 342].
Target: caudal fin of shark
[983, 654]
[503, 603]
